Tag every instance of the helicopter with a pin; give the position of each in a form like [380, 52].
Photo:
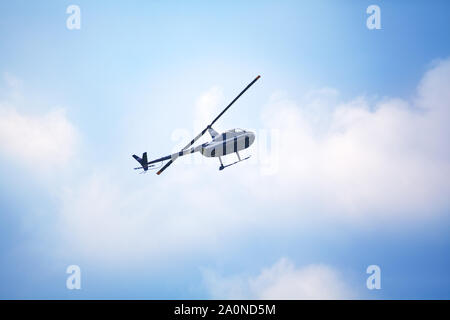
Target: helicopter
[231, 141]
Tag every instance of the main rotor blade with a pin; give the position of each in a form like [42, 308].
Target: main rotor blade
[231, 103]
[165, 167]
[217, 118]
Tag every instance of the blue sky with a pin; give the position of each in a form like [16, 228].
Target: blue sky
[358, 150]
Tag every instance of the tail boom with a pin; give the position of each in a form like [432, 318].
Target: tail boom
[146, 164]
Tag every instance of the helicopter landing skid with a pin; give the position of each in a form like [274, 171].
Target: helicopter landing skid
[228, 165]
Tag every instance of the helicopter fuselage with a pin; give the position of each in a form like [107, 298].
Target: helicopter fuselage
[228, 142]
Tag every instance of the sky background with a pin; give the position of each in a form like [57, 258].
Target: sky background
[350, 167]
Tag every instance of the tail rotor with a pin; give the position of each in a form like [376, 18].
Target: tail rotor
[143, 161]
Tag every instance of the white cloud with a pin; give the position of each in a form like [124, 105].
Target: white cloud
[385, 161]
[107, 216]
[44, 140]
[39, 141]
[359, 159]
[281, 281]
[206, 107]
